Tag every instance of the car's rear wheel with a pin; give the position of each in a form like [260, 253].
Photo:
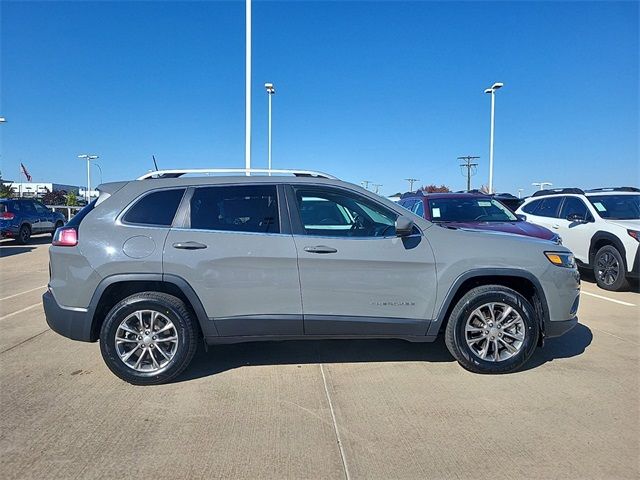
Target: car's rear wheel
[148, 338]
[58, 225]
[492, 329]
[24, 234]
[609, 269]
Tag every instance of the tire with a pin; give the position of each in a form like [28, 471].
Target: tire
[56, 227]
[24, 234]
[610, 270]
[465, 310]
[127, 312]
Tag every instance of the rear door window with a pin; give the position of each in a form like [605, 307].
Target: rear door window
[549, 207]
[155, 209]
[531, 207]
[250, 208]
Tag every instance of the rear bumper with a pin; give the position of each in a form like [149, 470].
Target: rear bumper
[556, 329]
[69, 323]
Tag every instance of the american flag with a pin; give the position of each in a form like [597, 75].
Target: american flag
[24, 170]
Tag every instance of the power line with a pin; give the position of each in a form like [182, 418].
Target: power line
[411, 182]
[470, 166]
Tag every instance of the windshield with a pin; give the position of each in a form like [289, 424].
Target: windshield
[617, 207]
[469, 210]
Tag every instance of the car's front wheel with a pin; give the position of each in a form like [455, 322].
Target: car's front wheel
[492, 329]
[609, 269]
[148, 338]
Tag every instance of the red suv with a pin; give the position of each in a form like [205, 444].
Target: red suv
[472, 210]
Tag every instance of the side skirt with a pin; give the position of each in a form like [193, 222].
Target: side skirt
[280, 338]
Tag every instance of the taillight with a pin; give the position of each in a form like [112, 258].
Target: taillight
[65, 237]
[7, 216]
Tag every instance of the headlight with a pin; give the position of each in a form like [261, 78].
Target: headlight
[557, 239]
[635, 234]
[561, 259]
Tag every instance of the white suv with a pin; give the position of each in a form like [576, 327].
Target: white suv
[601, 227]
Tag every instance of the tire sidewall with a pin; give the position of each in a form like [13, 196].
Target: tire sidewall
[111, 324]
[622, 269]
[27, 235]
[526, 312]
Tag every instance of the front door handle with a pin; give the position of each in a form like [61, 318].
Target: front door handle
[555, 226]
[189, 245]
[320, 249]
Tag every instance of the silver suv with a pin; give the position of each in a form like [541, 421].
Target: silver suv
[155, 264]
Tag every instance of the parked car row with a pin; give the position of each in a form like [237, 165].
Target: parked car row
[157, 263]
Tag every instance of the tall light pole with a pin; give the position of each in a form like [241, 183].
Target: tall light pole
[492, 91]
[541, 185]
[100, 170]
[365, 184]
[377, 185]
[411, 182]
[88, 158]
[520, 190]
[270, 92]
[247, 124]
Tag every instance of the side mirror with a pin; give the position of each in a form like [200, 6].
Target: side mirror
[404, 226]
[575, 217]
[521, 217]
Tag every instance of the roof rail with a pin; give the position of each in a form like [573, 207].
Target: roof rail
[175, 173]
[558, 191]
[614, 189]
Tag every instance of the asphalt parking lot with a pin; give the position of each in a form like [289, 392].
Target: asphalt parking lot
[333, 409]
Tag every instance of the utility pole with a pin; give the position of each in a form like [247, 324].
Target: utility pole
[411, 182]
[365, 184]
[470, 166]
[541, 185]
[377, 185]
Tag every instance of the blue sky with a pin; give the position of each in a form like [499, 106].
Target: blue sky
[378, 91]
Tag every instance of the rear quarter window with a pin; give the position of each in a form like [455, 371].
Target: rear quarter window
[155, 209]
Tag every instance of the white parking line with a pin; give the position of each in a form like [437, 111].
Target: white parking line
[607, 298]
[21, 311]
[22, 293]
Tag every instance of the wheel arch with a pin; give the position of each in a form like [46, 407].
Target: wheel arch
[116, 287]
[601, 239]
[521, 281]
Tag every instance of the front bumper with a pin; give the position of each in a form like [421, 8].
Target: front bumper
[74, 324]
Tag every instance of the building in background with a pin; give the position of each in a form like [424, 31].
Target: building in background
[38, 189]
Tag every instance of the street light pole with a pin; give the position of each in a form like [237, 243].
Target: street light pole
[365, 184]
[541, 185]
[247, 125]
[88, 158]
[492, 91]
[270, 92]
[100, 170]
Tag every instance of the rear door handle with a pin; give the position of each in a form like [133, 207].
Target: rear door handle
[320, 249]
[189, 245]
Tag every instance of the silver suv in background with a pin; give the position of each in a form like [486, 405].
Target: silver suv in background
[155, 264]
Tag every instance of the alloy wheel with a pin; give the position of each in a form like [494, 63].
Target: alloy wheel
[608, 268]
[146, 341]
[494, 332]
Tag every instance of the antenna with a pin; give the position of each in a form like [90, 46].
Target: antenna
[154, 162]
